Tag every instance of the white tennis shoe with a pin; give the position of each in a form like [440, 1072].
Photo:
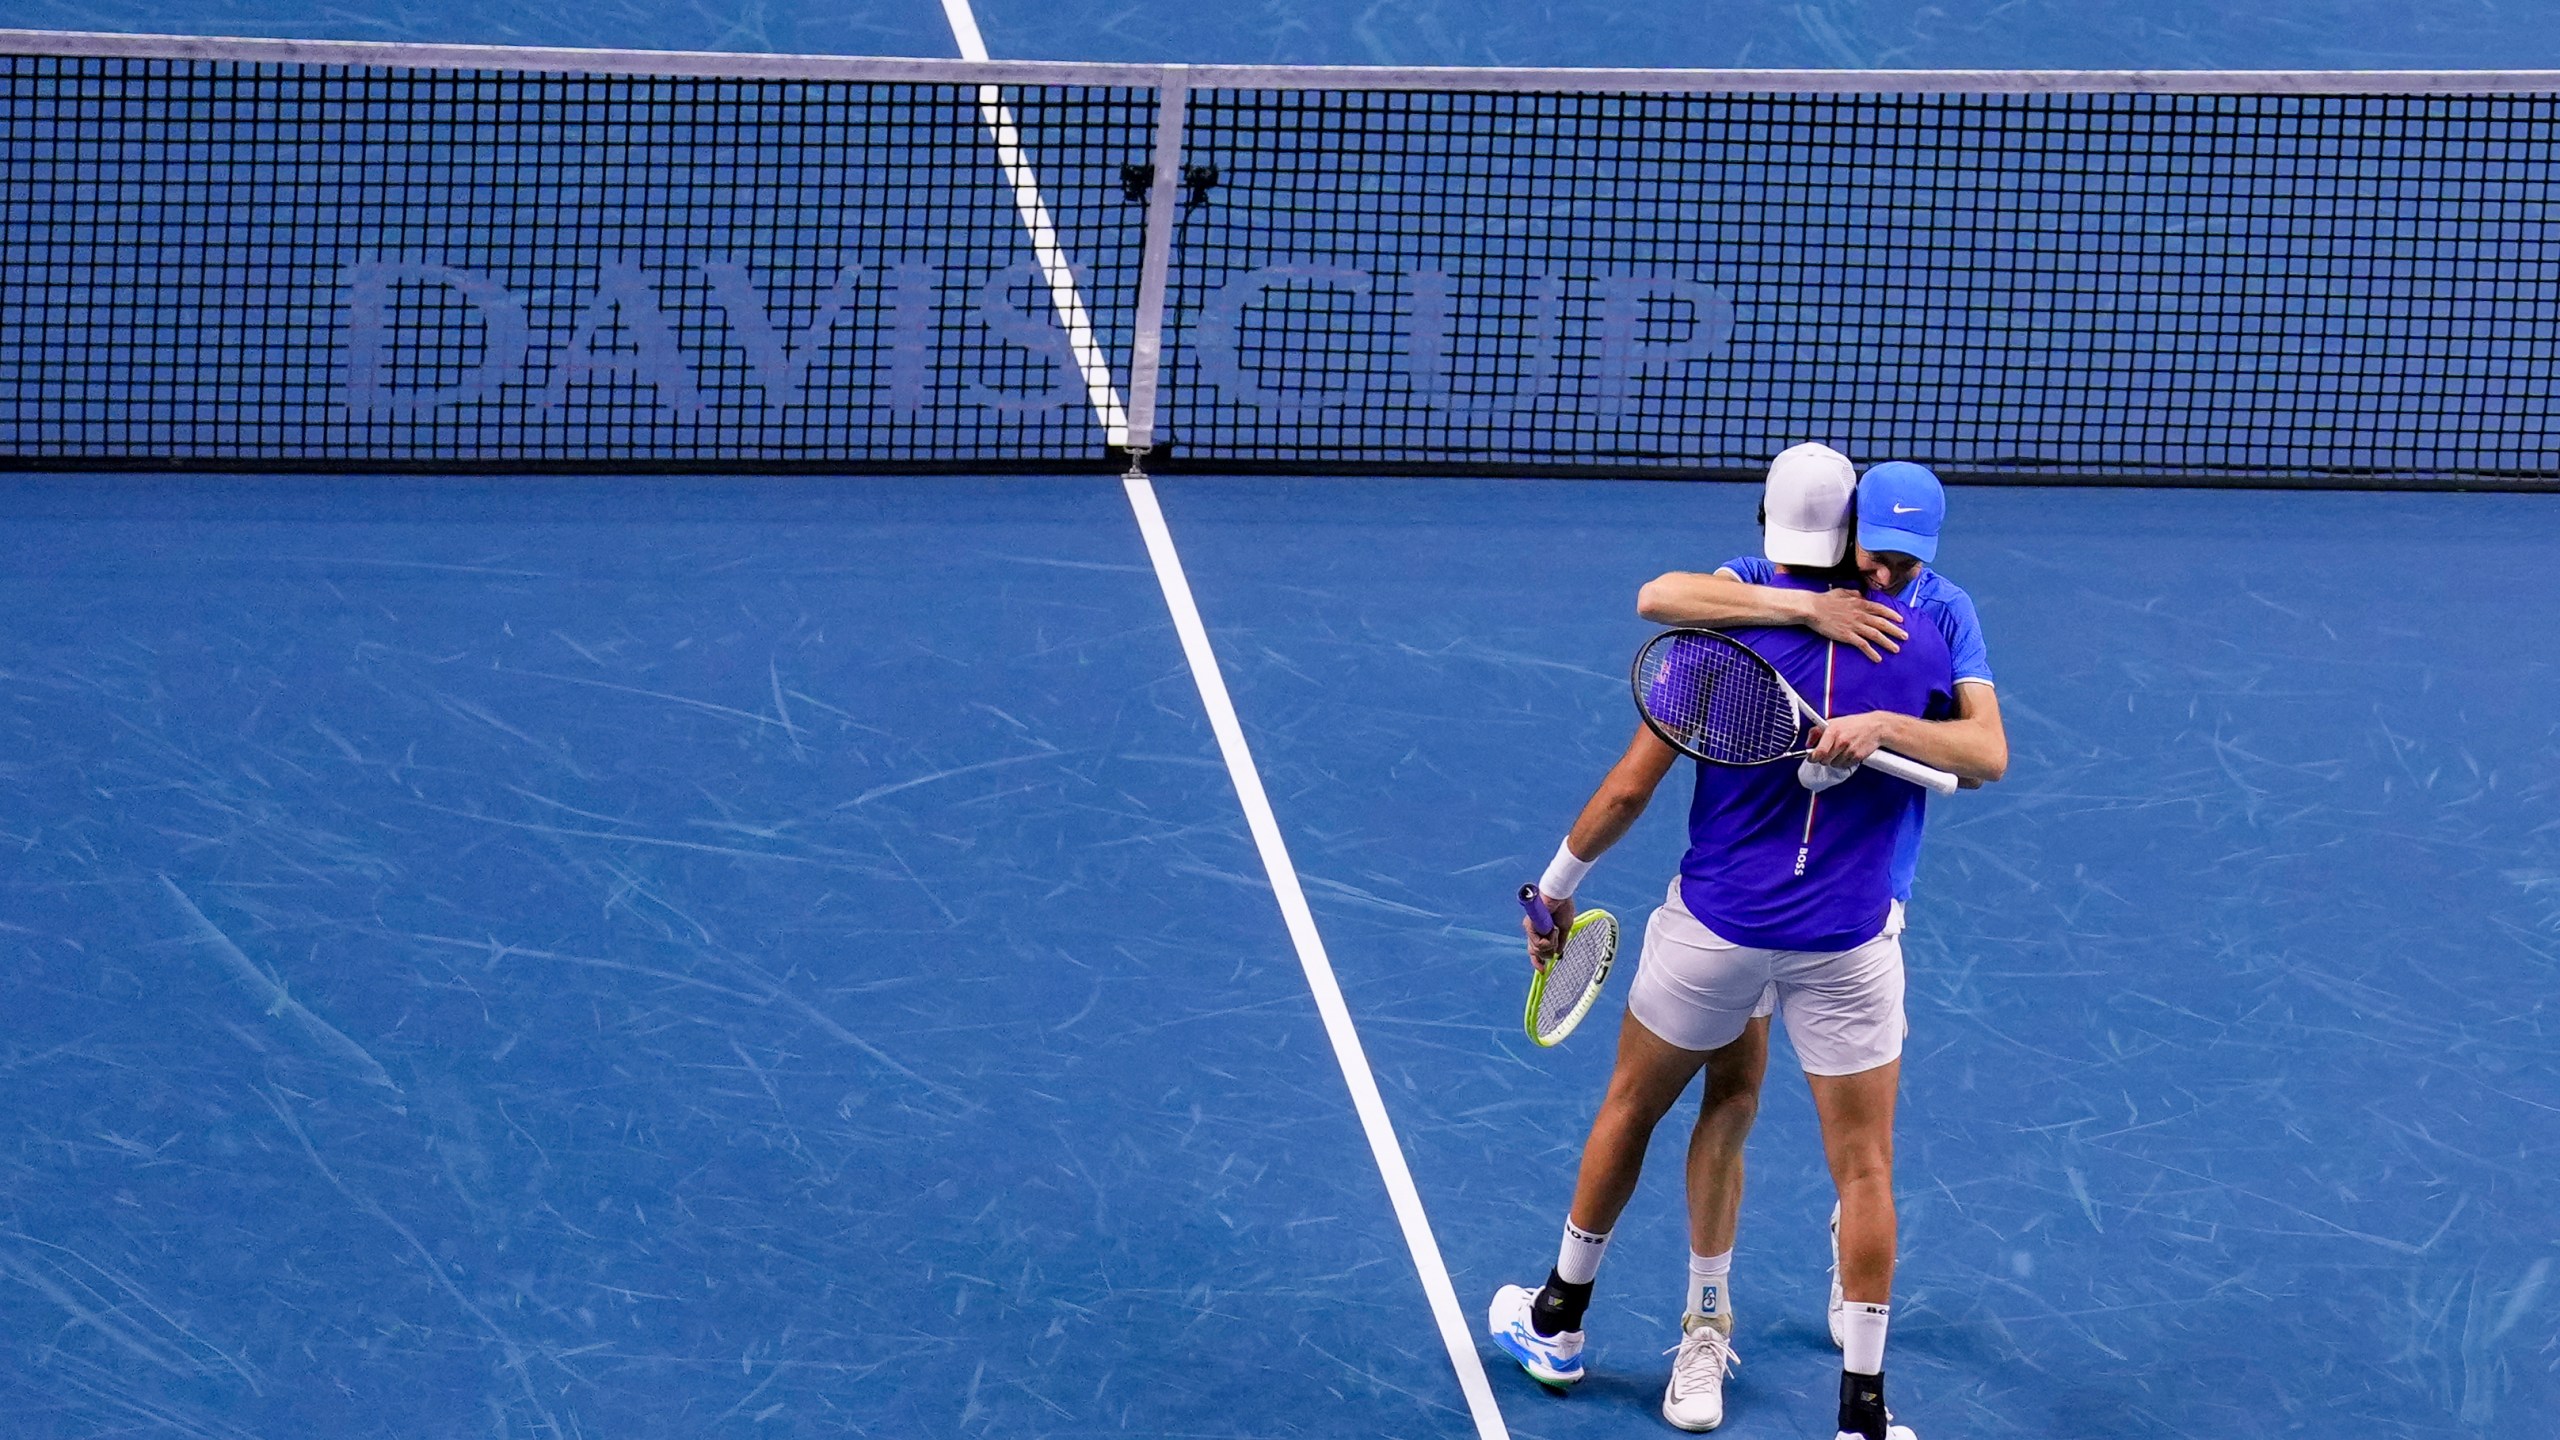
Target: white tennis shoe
[1838, 1301]
[1695, 1398]
[1891, 1432]
[1550, 1359]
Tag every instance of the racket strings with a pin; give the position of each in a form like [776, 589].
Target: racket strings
[1717, 698]
[1571, 974]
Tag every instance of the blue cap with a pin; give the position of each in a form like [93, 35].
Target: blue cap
[1901, 507]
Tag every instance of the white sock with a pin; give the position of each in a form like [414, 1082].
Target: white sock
[1578, 1259]
[1862, 1329]
[1711, 1286]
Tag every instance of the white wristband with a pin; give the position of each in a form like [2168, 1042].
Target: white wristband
[1564, 873]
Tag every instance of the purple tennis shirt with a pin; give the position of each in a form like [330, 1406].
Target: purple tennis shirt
[1777, 867]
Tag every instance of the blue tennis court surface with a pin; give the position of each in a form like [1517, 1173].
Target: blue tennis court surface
[741, 957]
[644, 959]
[558, 959]
[2229, 1002]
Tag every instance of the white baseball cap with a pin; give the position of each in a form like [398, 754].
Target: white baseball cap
[1812, 495]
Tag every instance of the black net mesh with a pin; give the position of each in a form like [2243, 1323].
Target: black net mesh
[228, 262]
[1712, 697]
[224, 261]
[2032, 285]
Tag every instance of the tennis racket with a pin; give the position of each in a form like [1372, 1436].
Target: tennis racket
[1563, 989]
[1713, 698]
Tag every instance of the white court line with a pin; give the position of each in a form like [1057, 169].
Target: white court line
[1036, 221]
[1455, 1332]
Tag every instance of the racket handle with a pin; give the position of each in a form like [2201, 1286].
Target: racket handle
[1541, 919]
[1927, 777]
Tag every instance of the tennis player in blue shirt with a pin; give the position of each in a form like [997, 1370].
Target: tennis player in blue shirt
[1901, 511]
[1785, 895]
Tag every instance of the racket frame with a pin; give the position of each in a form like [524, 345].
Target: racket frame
[1900, 767]
[1542, 920]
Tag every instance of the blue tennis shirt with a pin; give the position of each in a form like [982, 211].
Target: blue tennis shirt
[1773, 865]
[1941, 602]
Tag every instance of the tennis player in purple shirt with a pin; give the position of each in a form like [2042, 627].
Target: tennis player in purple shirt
[1901, 510]
[1784, 896]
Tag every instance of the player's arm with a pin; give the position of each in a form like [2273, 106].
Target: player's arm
[1973, 746]
[1612, 810]
[1723, 599]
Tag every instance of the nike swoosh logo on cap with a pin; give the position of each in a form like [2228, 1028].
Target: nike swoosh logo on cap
[1906, 509]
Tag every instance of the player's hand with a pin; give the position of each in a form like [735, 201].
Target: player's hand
[1545, 948]
[1853, 619]
[1850, 739]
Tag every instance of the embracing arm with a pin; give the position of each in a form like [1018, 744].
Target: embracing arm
[1721, 599]
[1614, 808]
[1606, 817]
[1972, 746]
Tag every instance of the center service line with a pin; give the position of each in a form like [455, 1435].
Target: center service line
[1455, 1333]
[1454, 1330]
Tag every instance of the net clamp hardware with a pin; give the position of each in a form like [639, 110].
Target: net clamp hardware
[1197, 182]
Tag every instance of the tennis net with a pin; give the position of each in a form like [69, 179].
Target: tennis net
[263, 253]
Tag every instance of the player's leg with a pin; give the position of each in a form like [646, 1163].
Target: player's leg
[1893, 926]
[1694, 1398]
[1726, 1113]
[1543, 1330]
[1651, 1074]
[1857, 1140]
[1844, 1013]
[1692, 994]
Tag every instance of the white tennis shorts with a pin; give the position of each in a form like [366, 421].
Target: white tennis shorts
[1695, 989]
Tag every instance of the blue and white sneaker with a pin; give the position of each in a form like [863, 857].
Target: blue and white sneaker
[1550, 1359]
